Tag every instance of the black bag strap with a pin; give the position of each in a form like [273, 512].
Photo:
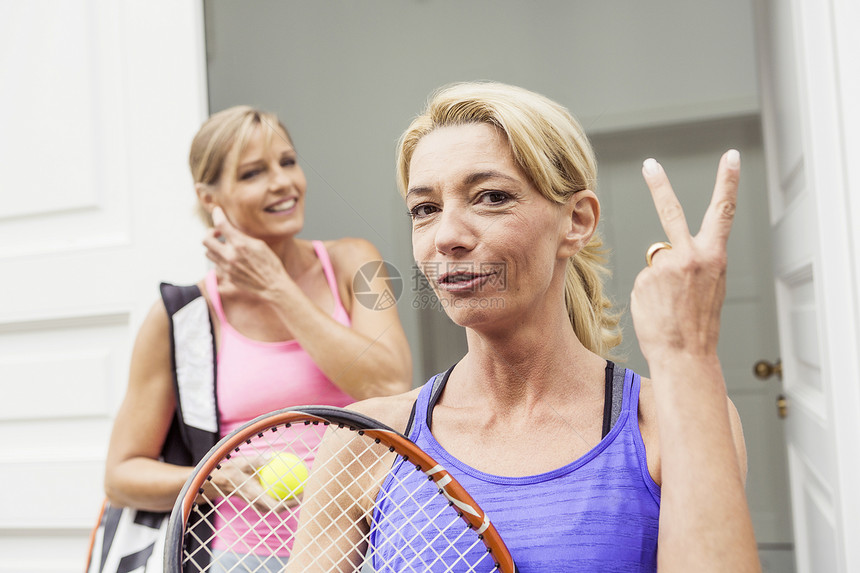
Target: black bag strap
[127, 539]
[192, 344]
[194, 429]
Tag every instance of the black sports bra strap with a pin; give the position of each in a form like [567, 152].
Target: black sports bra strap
[439, 385]
[607, 398]
[411, 421]
[613, 398]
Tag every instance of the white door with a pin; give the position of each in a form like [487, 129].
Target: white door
[804, 67]
[100, 100]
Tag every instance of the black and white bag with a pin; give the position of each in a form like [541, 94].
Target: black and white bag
[128, 540]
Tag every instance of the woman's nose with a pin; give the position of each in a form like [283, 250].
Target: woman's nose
[281, 177]
[454, 232]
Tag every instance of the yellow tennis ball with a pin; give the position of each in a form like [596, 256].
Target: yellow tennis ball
[283, 476]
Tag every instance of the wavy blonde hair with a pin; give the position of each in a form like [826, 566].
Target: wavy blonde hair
[550, 146]
[222, 138]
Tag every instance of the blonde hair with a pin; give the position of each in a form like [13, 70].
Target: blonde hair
[219, 142]
[550, 146]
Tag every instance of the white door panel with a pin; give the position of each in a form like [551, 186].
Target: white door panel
[99, 105]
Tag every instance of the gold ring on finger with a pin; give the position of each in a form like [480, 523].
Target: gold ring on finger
[649, 254]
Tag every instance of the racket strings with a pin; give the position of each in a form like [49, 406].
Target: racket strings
[237, 510]
[408, 525]
[442, 527]
[425, 521]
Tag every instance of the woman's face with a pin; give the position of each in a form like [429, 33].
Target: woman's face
[485, 238]
[266, 198]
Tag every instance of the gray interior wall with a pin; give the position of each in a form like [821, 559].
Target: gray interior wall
[347, 77]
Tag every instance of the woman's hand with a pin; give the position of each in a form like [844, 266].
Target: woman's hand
[242, 263]
[237, 477]
[676, 302]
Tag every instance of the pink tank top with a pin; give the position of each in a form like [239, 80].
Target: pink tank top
[255, 377]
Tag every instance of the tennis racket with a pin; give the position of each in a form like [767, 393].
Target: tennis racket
[351, 513]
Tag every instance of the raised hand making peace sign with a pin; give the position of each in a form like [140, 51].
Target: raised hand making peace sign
[676, 300]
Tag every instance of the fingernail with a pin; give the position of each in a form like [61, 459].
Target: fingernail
[650, 166]
[733, 158]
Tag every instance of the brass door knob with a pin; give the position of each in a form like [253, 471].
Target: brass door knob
[764, 369]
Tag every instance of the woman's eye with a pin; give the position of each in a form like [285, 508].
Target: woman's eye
[494, 197]
[288, 162]
[250, 174]
[423, 210]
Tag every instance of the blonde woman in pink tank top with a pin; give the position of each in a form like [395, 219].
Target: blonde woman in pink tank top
[278, 307]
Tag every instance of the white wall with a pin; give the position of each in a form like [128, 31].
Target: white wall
[346, 78]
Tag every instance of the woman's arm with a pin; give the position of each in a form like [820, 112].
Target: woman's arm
[337, 507]
[369, 359]
[705, 523]
[649, 428]
[374, 357]
[339, 510]
[133, 475]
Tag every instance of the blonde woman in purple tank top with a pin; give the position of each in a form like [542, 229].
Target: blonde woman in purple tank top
[278, 305]
[500, 185]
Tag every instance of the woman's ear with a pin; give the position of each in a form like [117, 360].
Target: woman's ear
[206, 195]
[582, 213]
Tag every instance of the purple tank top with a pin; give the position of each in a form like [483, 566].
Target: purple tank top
[597, 513]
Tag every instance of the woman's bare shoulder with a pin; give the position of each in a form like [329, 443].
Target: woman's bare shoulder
[347, 256]
[393, 411]
[351, 251]
[646, 397]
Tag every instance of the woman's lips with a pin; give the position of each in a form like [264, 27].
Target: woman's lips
[462, 281]
[282, 206]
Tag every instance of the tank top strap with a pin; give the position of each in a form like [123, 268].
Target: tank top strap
[632, 387]
[422, 410]
[632, 383]
[328, 271]
[214, 296]
[418, 421]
